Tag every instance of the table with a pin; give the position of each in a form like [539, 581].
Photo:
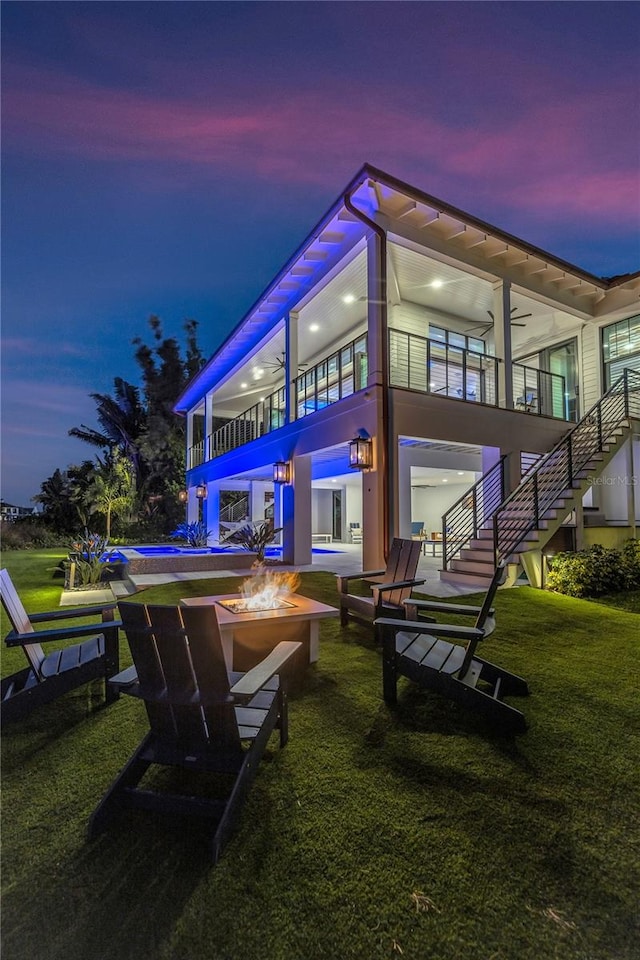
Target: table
[260, 631]
[321, 538]
[433, 544]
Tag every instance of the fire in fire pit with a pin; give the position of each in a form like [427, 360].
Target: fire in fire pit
[247, 605]
[264, 591]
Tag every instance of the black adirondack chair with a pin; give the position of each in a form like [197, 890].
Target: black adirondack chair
[389, 587]
[201, 718]
[48, 676]
[415, 649]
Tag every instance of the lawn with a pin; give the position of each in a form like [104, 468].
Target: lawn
[417, 833]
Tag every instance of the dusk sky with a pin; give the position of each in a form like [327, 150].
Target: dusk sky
[168, 158]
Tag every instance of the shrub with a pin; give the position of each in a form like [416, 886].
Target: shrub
[196, 534]
[89, 557]
[596, 571]
[254, 537]
[20, 535]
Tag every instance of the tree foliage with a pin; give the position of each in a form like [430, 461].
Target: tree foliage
[137, 430]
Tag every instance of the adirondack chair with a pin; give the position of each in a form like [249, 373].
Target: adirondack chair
[389, 587]
[414, 649]
[201, 718]
[485, 618]
[48, 676]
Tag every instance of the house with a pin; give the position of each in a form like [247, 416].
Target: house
[476, 383]
[9, 512]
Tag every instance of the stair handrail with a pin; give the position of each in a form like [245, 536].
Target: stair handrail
[471, 511]
[557, 470]
[230, 513]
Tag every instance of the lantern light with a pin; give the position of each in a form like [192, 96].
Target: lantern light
[281, 472]
[360, 453]
[183, 496]
[201, 491]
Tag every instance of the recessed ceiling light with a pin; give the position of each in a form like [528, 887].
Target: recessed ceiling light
[261, 399]
[436, 284]
[314, 327]
[444, 480]
[349, 298]
[244, 386]
[334, 480]
[461, 473]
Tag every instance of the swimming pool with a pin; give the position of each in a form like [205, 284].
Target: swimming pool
[166, 558]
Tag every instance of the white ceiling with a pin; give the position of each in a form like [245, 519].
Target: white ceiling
[337, 314]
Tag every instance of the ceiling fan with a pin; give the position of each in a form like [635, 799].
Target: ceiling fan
[279, 363]
[514, 321]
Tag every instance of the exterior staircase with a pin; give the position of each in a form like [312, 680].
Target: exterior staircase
[484, 527]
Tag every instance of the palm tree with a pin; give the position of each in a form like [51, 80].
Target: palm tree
[112, 490]
[123, 419]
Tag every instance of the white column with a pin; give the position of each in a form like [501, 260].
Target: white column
[189, 439]
[256, 500]
[208, 424]
[291, 365]
[502, 341]
[296, 514]
[376, 329]
[212, 512]
[631, 487]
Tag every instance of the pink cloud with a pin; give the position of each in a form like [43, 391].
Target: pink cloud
[551, 146]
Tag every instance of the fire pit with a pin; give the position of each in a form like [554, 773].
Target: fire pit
[249, 634]
[255, 604]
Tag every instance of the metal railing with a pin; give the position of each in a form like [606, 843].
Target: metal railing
[557, 471]
[196, 455]
[463, 520]
[235, 511]
[337, 376]
[258, 420]
[431, 366]
[540, 392]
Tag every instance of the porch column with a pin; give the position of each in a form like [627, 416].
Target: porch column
[374, 508]
[211, 510]
[290, 364]
[256, 500]
[296, 514]
[376, 311]
[189, 439]
[208, 425]
[502, 341]
[193, 506]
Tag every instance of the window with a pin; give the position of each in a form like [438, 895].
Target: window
[620, 348]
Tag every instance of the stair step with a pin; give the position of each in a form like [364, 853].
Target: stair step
[465, 579]
[475, 566]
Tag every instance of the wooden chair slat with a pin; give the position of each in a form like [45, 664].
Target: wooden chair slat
[177, 652]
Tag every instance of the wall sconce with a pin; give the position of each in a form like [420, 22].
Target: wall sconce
[201, 491]
[281, 472]
[360, 453]
[183, 496]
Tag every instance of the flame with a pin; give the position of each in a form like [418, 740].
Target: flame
[261, 591]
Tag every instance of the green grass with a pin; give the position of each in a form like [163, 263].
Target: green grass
[418, 833]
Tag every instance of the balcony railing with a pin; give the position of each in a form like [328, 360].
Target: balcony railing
[537, 391]
[431, 366]
[415, 362]
[337, 376]
[258, 420]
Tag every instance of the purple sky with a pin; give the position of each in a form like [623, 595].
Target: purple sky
[169, 157]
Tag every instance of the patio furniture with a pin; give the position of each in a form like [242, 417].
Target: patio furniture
[414, 649]
[417, 530]
[248, 636]
[484, 614]
[389, 587]
[355, 532]
[202, 718]
[49, 676]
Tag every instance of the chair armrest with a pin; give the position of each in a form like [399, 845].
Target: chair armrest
[398, 584]
[344, 580]
[431, 629]
[460, 609]
[254, 679]
[71, 612]
[14, 639]
[124, 679]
